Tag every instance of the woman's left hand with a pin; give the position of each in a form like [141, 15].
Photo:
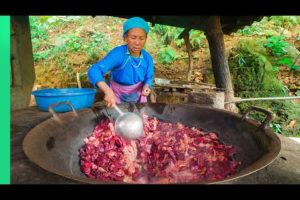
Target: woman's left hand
[146, 90]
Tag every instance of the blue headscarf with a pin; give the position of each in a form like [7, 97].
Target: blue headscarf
[135, 22]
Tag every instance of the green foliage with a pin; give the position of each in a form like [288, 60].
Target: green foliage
[97, 43]
[276, 45]
[39, 25]
[247, 67]
[285, 21]
[92, 46]
[255, 28]
[74, 43]
[39, 37]
[287, 111]
[50, 53]
[284, 111]
[55, 21]
[196, 38]
[253, 76]
[294, 67]
[42, 49]
[167, 55]
[41, 55]
[170, 34]
[38, 30]
[167, 33]
[160, 29]
[276, 127]
[258, 28]
[285, 61]
[179, 42]
[36, 44]
[289, 63]
[264, 27]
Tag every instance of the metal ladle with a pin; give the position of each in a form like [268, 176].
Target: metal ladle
[128, 125]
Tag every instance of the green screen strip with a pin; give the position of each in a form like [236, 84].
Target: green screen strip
[5, 100]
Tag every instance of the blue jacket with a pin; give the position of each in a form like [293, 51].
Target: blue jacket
[125, 69]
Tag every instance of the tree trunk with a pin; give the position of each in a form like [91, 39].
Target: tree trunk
[214, 35]
[186, 37]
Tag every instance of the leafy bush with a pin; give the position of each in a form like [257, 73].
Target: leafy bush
[38, 30]
[41, 55]
[168, 33]
[288, 62]
[39, 38]
[160, 29]
[74, 43]
[251, 30]
[196, 38]
[55, 21]
[253, 77]
[285, 21]
[264, 27]
[276, 45]
[248, 65]
[167, 55]
[258, 28]
[97, 43]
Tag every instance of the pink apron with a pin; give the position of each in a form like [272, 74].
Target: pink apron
[121, 90]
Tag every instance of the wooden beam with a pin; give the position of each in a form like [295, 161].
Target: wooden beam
[215, 37]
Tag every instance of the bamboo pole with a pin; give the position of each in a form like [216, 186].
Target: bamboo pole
[262, 98]
[78, 80]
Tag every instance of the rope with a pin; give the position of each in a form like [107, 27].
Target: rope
[263, 98]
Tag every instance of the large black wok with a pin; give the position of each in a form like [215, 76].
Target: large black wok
[54, 144]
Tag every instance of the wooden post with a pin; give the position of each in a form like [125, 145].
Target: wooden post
[78, 80]
[214, 35]
[22, 65]
[186, 36]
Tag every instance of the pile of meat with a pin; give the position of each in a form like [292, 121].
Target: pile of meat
[167, 153]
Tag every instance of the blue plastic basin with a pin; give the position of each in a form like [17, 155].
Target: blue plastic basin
[80, 98]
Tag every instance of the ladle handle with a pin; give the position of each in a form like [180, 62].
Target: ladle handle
[52, 106]
[118, 109]
[267, 113]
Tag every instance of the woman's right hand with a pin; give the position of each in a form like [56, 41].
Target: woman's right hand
[109, 98]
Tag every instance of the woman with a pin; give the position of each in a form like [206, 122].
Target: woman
[131, 67]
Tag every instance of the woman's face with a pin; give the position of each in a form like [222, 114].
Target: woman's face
[135, 39]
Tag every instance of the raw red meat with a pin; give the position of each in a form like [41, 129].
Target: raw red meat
[167, 153]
